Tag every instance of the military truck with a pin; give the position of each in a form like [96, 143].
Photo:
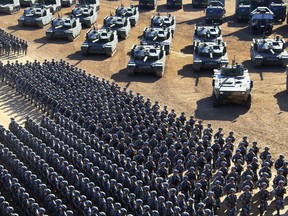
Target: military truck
[36, 15]
[278, 7]
[209, 55]
[168, 21]
[54, 5]
[199, 3]
[147, 59]
[232, 83]
[131, 12]
[261, 20]
[9, 6]
[174, 4]
[120, 24]
[27, 3]
[64, 27]
[162, 36]
[94, 3]
[268, 51]
[242, 10]
[103, 41]
[86, 13]
[215, 12]
[67, 3]
[206, 33]
[148, 4]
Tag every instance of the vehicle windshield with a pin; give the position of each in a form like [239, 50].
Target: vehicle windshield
[87, 1]
[214, 11]
[6, 2]
[48, 2]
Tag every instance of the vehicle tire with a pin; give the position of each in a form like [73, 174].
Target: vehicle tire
[248, 102]
[215, 102]
[160, 73]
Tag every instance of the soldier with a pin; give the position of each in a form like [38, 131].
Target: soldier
[210, 202]
[246, 200]
[197, 194]
[263, 155]
[279, 162]
[279, 192]
[263, 196]
[231, 201]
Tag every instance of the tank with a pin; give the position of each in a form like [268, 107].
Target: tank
[36, 16]
[120, 24]
[67, 3]
[27, 3]
[199, 3]
[9, 6]
[103, 41]
[162, 36]
[269, 51]
[174, 4]
[206, 33]
[94, 3]
[147, 59]
[232, 84]
[159, 21]
[148, 4]
[278, 7]
[68, 27]
[131, 12]
[242, 10]
[86, 13]
[209, 55]
[54, 5]
[215, 12]
[261, 20]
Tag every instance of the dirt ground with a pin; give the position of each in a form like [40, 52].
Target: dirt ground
[180, 88]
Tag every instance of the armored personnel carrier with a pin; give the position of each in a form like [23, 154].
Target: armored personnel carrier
[215, 12]
[168, 21]
[67, 3]
[162, 36]
[150, 4]
[36, 15]
[206, 33]
[209, 55]
[86, 13]
[103, 41]
[232, 83]
[131, 12]
[68, 27]
[27, 3]
[119, 24]
[199, 3]
[171, 4]
[278, 7]
[262, 20]
[54, 5]
[9, 6]
[242, 10]
[147, 59]
[268, 51]
[91, 3]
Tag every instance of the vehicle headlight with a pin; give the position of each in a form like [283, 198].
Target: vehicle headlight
[221, 93]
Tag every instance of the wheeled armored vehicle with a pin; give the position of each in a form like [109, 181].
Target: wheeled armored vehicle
[268, 51]
[162, 36]
[68, 27]
[206, 33]
[9, 6]
[67, 3]
[262, 20]
[232, 83]
[278, 7]
[119, 24]
[199, 3]
[86, 13]
[54, 5]
[36, 15]
[215, 12]
[27, 3]
[150, 4]
[131, 12]
[171, 4]
[103, 41]
[147, 59]
[209, 55]
[242, 10]
[168, 21]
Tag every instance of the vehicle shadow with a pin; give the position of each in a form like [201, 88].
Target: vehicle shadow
[189, 8]
[16, 28]
[187, 49]
[163, 8]
[199, 20]
[282, 100]
[80, 57]
[242, 34]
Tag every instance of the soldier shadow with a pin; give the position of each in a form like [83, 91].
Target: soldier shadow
[225, 112]
[242, 34]
[11, 56]
[187, 49]
[78, 55]
[282, 100]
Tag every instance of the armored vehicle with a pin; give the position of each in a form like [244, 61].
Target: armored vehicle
[94, 3]
[103, 41]
[69, 27]
[268, 51]
[174, 4]
[161, 36]
[67, 3]
[131, 12]
[150, 4]
[36, 15]
[232, 83]
[86, 13]
[54, 5]
[242, 10]
[206, 33]
[147, 59]
[199, 3]
[209, 55]
[168, 21]
[27, 3]
[215, 12]
[9, 6]
[262, 20]
[278, 7]
[120, 24]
